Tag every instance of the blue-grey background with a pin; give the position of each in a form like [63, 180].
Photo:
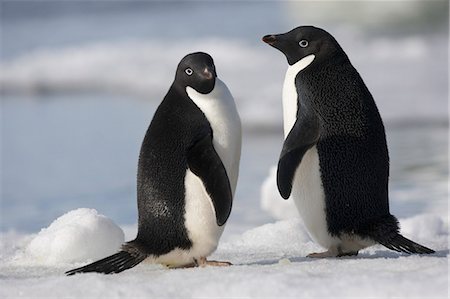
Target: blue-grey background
[80, 81]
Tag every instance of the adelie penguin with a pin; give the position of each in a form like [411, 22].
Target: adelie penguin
[334, 162]
[187, 173]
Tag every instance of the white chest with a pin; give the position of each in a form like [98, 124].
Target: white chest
[290, 103]
[220, 110]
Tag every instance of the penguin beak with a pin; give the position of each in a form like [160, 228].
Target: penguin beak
[278, 41]
[209, 73]
[269, 39]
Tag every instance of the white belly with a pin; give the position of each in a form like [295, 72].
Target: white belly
[200, 217]
[200, 222]
[309, 197]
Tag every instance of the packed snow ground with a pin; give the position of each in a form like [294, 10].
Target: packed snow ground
[269, 261]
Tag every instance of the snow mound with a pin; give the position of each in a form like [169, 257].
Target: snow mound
[424, 227]
[78, 236]
[272, 202]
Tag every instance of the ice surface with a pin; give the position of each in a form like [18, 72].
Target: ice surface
[78, 236]
[268, 261]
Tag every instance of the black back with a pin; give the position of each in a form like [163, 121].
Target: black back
[178, 129]
[353, 154]
[161, 170]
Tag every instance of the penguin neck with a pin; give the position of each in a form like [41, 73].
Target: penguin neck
[290, 95]
[220, 110]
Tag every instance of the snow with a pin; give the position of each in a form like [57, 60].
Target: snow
[269, 261]
[271, 200]
[78, 236]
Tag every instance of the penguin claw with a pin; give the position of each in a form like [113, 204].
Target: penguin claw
[218, 264]
[332, 253]
[191, 265]
[203, 262]
[322, 255]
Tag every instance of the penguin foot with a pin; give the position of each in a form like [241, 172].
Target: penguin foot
[321, 255]
[191, 265]
[218, 263]
[331, 253]
[350, 253]
[203, 262]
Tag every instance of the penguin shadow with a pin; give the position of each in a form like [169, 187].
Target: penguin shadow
[387, 254]
[279, 261]
[379, 254]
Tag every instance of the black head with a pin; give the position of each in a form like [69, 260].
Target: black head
[303, 41]
[196, 70]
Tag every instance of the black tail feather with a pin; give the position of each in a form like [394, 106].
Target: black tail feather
[385, 230]
[116, 263]
[402, 244]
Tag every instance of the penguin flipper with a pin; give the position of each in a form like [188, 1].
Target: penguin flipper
[287, 165]
[303, 135]
[205, 163]
[116, 263]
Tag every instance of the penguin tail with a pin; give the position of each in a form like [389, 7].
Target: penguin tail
[402, 244]
[385, 230]
[127, 258]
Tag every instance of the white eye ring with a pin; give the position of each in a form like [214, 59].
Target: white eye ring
[303, 43]
[189, 71]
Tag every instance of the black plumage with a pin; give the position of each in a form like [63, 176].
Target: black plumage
[353, 154]
[179, 137]
[337, 114]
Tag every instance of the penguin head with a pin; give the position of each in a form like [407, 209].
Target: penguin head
[304, 41]
[196, 70]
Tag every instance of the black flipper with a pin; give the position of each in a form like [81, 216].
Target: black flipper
[205, 163]
[385, 231]
[303, 135]
[125, 259]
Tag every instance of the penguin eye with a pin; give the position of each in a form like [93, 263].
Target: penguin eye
[189, 71]
[303, 43]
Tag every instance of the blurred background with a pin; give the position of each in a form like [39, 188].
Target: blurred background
[80, 81]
